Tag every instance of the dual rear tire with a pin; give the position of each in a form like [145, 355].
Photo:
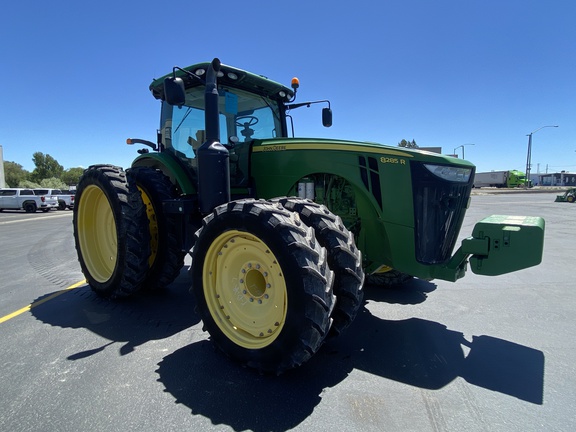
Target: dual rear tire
[166, 255]
[273, 279]
[110, 232]
[263, 285]
[125, 242]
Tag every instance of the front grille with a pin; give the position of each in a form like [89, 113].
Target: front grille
[372, 172]
[439, 208]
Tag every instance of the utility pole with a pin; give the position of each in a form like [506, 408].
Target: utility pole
[2, 178]
[529, 156]
[462, 147]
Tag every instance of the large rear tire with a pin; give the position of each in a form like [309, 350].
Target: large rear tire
[109, 225]
[344, 258]
[262, 283]
[166, 257]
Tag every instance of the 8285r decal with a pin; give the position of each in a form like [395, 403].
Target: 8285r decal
[391, 160]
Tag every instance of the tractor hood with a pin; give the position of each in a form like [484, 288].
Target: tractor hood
[394, 154]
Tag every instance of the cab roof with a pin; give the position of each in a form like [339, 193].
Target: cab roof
[229, 76]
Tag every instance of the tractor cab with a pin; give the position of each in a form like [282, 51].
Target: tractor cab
[243, 117]
[250, 107]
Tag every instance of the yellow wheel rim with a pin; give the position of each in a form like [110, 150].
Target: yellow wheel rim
[97, 233]
[245, 289]
[152, 225]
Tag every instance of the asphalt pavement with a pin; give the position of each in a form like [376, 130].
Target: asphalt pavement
[481, 354]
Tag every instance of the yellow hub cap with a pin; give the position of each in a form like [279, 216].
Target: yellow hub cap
[245, 289]
[97, 234]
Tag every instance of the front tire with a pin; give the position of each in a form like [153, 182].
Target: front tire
[388, 278]
[166, 257]
[109, 225]
[344, 258]
[263, 286]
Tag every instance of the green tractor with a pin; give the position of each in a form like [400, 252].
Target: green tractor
[568, 196]
[281, 230]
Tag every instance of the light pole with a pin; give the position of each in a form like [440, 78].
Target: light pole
[529, 156]
[462, 146]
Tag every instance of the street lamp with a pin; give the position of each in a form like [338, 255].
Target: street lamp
[462, 146]
[529, 156]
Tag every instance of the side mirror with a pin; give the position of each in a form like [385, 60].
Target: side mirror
[326, 117]
[174, 92]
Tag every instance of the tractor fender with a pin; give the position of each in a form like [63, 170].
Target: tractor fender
[179, 174]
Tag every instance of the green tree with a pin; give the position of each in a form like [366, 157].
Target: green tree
[408, 144]
[53, 183]
[28, 184]
[14, 173]
[71, 176]
[46, 167]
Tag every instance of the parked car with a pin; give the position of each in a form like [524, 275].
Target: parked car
[25, 199]
[65, 198]
[51, 195]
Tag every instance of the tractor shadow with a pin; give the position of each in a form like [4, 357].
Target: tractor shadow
[412, 292]
[414, 351]
[131, 322]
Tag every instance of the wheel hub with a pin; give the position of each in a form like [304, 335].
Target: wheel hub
[245, 289]
[97, 236]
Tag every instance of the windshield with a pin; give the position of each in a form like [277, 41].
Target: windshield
[244, 115]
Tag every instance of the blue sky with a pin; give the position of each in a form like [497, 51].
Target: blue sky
[445, 73]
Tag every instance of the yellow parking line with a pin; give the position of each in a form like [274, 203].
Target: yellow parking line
[39, 302]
